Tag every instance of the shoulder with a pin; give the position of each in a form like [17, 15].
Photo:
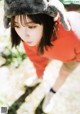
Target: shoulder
[74, 19]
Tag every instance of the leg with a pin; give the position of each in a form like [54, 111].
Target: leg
[65, 70]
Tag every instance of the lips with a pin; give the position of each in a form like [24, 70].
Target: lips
[29, 42]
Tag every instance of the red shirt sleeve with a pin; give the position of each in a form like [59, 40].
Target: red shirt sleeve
[38, 61]
[77, 51]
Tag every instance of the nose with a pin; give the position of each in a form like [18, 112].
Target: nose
[26, 31]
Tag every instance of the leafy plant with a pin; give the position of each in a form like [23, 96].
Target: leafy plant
[71, 2]
[12, 56]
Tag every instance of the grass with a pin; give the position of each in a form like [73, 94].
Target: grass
[12, 56]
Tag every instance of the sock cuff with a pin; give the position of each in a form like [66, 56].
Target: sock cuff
[52, 90]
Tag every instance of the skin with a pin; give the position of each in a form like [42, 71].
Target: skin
[65, 71]
[31, 33]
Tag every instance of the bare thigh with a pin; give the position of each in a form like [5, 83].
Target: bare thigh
[70, 66]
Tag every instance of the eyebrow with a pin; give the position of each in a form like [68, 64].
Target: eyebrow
[27, 22]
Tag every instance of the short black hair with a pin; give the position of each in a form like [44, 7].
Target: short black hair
[48, 29]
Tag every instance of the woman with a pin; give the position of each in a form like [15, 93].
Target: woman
[38, 24]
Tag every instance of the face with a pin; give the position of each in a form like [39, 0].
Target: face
[31, 33]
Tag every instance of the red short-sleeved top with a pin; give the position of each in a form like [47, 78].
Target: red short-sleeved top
[66, 48]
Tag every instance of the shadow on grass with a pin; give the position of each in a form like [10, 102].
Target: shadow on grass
[16, 105]
[39, 108]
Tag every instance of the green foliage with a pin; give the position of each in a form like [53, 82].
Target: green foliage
[71, 2]
[12, 56]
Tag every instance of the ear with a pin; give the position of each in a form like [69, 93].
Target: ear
[56, 18]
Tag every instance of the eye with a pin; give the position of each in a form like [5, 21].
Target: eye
[31, 27]
[16, 26]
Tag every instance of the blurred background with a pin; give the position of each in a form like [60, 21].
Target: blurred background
[13, 72]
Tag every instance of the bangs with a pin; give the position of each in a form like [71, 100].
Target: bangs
[49, 29]
[23, 20]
